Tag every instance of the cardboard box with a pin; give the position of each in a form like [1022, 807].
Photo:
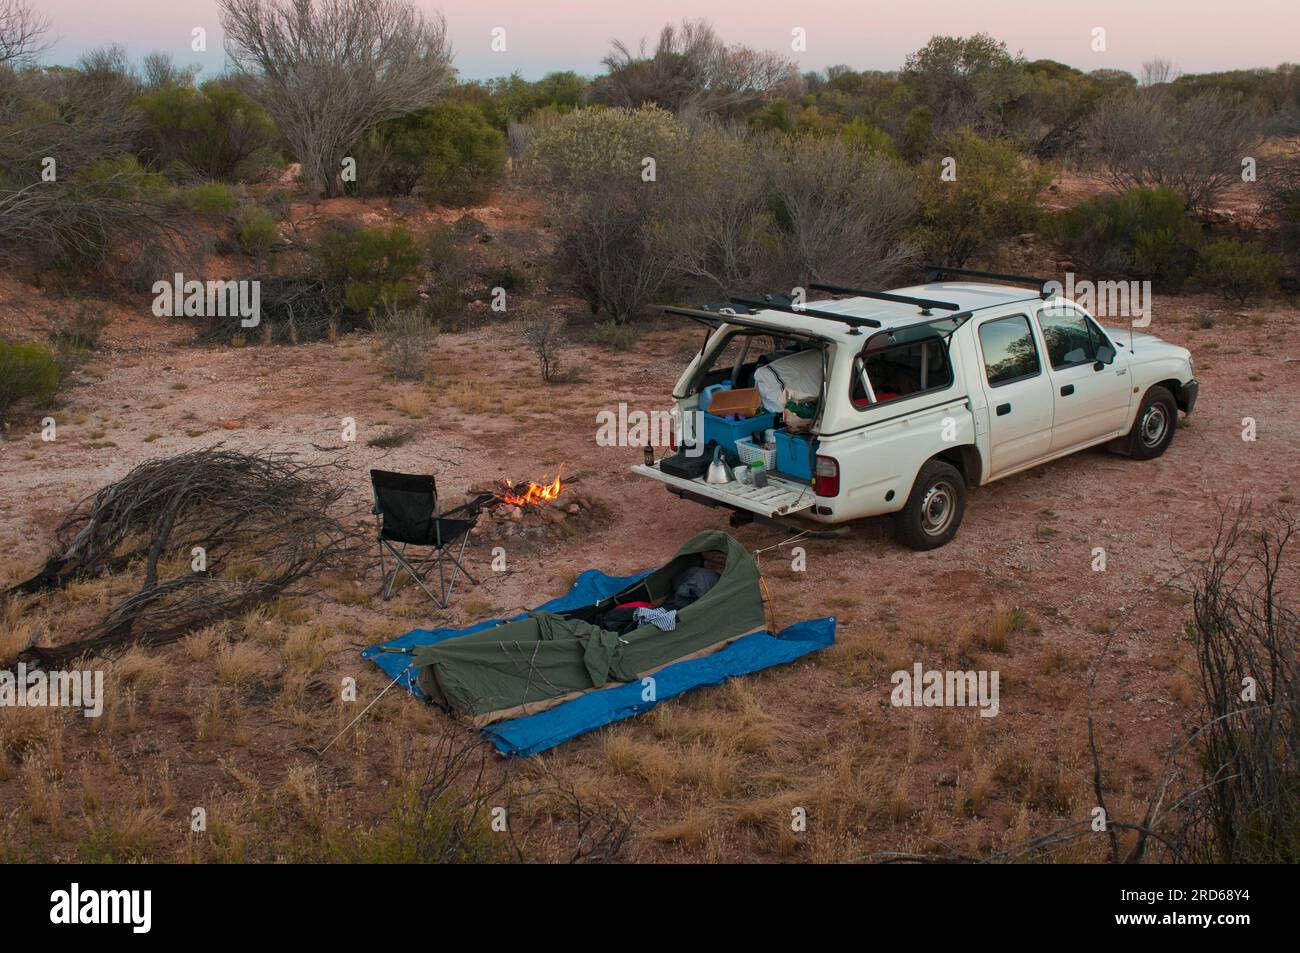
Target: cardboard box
[743, 402]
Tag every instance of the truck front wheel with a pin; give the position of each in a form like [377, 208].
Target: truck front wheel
[934, 508]
[1153, 430]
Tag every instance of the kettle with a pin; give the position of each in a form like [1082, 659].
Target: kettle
[718, 471]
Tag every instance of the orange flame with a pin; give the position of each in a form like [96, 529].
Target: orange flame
[535, 493]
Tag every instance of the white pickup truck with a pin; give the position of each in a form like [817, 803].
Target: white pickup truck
[930, 389]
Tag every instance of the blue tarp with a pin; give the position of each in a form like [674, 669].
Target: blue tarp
[534, 733]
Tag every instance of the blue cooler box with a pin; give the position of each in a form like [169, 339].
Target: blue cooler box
[727, 432]
[792, 454]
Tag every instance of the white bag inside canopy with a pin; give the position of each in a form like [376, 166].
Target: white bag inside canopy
[800, 374]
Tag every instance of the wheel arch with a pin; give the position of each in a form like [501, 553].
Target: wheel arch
[966, 459]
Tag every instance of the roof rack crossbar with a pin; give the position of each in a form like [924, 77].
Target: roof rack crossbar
[936, 273]
[925, 304]
[852, 320]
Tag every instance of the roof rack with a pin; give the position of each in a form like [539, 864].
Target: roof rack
[936, 273]
[853, 321]
[925, 304]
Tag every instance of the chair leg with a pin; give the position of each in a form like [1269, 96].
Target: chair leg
[459, 565]
[402, 564]
[384, 581]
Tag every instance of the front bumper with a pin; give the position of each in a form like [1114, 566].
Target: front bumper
[1191, 390]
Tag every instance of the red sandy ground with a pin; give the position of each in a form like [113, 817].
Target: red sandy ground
[714, 775]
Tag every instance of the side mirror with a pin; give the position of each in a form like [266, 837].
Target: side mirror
[1105, 355]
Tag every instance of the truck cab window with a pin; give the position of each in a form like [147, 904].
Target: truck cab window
[1070, 337]
[1009, 350]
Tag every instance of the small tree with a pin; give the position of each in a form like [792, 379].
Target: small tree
[448, 148]
[1246, 632]
[212, 130]
[22, 32]
[612, 174]
[369, 268]
[1144, 233]
[691, 70]
[330, 70]
[544, 334]
[1146, 138]
[965, 82]
[838, 212]
[991, 193]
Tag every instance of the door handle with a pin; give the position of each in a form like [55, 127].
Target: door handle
[1004, 409]
[1067, 390]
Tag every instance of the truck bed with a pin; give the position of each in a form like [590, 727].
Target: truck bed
[781, 497]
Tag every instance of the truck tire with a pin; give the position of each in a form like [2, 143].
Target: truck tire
[934, 508]
[1154, 427]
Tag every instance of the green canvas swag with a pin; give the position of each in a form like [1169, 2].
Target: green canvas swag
[530, 664]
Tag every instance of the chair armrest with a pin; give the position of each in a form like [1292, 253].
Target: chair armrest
[473, 506]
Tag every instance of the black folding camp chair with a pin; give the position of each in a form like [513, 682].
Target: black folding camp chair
[407, 508]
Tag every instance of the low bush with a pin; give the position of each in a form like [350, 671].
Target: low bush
[210, 198]
[1239, 270]
[447, 275]
[614, 336]
[407, 336]
[370, 268]
[256, 231]
[1143, 233]
[74, 339]
[27, 372]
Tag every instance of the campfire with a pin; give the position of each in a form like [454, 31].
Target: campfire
[534, 511]
[535, 494]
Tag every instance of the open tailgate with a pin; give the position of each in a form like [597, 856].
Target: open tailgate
[781, 497]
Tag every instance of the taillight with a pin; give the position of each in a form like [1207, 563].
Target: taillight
[827, 482]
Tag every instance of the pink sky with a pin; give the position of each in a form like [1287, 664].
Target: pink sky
[545, 35]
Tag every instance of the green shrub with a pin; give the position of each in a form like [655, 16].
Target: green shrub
[449, 148]
[1239, 270]
[468, 156]
[211, 130]
[596, 144]
[992, 195]
[870, 138]
[1143, 233]
[368, 268]
[614, 336]
[256, 231]
[448, 272]
[27, 372]
[210, 198]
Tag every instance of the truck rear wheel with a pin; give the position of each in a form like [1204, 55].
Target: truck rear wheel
[1153, 430]
[934, 508]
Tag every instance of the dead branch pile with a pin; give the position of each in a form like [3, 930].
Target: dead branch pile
[292, 309]
[213, 532]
